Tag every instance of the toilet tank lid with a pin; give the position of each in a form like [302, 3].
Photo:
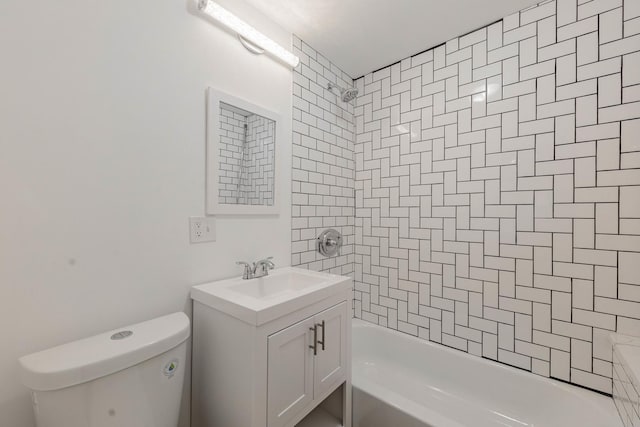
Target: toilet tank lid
[104, 354]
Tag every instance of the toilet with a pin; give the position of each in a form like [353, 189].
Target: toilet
[128, 377]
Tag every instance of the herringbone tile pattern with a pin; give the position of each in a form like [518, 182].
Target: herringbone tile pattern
[497, 190]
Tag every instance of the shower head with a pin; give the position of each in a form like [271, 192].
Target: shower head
[347, 94]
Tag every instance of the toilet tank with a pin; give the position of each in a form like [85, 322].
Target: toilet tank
[129, 377]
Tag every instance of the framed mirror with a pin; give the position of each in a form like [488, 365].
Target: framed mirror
[242, 139]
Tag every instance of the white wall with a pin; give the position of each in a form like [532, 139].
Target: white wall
[102, 143]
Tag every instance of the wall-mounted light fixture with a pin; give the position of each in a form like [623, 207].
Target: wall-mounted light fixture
[251, 38]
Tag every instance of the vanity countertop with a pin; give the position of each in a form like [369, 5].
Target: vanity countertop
[258, 301]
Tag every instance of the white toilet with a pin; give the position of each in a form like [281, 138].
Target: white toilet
[129, 377]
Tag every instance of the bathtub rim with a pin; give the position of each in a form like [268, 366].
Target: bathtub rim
[603, 401]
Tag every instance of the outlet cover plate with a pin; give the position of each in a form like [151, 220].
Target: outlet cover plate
[202, 229]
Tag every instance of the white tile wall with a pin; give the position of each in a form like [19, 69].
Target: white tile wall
[497, 187]
[323, 162]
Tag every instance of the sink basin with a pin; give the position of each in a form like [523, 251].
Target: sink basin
[257, 301]
[270, 286]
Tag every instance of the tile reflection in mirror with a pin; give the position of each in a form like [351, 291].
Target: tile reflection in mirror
[246, 172]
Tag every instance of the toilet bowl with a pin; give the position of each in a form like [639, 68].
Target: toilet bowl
[128, 377]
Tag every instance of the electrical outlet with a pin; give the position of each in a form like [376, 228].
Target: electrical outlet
[202, 229]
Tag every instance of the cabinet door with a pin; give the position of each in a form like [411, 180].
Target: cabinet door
[289, 372]
[330, 363]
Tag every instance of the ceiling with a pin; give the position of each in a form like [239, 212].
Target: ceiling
[361, 36]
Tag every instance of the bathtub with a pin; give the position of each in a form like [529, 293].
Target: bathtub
[402, 381]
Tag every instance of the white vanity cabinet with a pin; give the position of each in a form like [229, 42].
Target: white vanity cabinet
[271, 368]
[305, 360]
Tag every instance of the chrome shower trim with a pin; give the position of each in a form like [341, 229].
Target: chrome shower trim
[348, 94]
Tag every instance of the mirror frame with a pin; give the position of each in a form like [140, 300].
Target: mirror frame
[214, 207]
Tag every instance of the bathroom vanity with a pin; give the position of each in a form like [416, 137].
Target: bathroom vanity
[273, 351]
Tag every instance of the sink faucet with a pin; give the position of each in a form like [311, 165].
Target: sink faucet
[257, 269]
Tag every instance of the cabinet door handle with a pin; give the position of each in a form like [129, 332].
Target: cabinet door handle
[315, 340]
[321, 342]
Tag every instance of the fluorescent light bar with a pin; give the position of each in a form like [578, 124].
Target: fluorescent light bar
[246, 31]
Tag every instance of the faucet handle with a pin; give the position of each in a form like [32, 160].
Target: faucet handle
[248, 269]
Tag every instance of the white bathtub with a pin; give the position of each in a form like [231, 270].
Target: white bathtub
[402, 381]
